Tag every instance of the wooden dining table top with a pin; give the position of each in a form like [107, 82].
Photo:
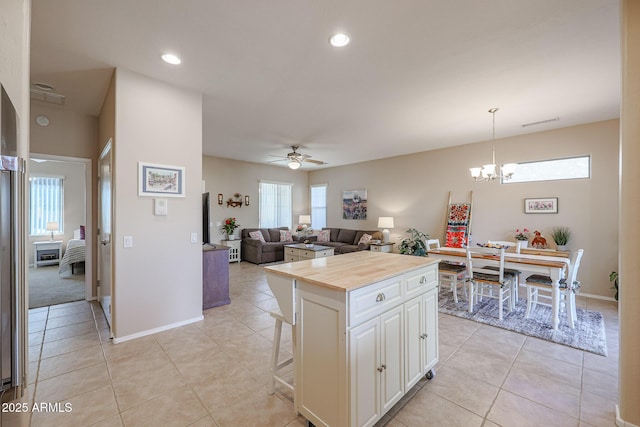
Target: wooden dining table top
[525, 259]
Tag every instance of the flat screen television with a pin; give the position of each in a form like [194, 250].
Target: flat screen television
[205, 219]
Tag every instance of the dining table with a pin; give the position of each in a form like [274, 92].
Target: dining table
[553, 266]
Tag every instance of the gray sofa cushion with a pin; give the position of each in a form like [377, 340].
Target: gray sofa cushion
[347, 236]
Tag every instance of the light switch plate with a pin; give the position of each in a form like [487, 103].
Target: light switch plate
[160, 207]
[194, 237]
[128, 241]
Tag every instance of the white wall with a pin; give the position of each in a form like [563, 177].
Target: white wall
[414, 189]
[232, 176]
[14, 75]
[157, 282]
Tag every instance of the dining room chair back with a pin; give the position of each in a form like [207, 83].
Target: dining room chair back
[449, 273]
[488, 282]
[540, 289]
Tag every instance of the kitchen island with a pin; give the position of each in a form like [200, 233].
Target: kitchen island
[366, 331]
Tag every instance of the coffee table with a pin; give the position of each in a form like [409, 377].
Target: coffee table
[300, 251]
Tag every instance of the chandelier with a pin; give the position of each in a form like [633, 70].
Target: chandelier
[489, 172]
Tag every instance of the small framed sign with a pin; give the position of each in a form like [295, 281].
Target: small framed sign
[544, 205]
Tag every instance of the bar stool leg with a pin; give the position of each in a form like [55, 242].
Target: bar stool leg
[275, 354]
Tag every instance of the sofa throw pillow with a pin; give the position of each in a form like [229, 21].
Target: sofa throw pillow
[323, 236]
[82, 231]
[285, 236]
[256, 235]
[365, 239]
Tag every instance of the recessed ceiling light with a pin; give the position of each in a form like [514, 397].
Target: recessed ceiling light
[339, 40]
[44, 86]
[170, 58]
[42, 120]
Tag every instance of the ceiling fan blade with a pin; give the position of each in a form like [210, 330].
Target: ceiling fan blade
[317, 162]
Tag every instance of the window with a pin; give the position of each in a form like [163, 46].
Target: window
[551, 170]
[318, 206]
[46, 203]
[275, 205]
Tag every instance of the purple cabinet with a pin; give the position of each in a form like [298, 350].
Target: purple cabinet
[215, 276]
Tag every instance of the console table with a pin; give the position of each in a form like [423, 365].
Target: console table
[215, 276]
[366, 328]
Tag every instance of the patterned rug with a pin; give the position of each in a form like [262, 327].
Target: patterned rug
[589, 334]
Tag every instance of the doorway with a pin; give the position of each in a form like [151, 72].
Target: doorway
[53, 278]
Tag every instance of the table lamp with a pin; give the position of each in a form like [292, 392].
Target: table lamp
[52, 226]
[385, 222]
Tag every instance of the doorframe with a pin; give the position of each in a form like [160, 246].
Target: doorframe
[88, 216]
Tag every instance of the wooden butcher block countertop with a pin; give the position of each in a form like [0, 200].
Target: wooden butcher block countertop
[350, 271]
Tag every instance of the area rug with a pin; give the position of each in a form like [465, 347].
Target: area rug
[589, 334]
[47, 287]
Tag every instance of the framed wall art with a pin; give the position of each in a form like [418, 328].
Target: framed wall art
[547, 205]
[160, 180]
[354, 204]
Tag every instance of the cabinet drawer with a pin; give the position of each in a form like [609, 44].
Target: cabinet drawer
[290, 251]
[290, 258]
[419, 281]
[372, 300]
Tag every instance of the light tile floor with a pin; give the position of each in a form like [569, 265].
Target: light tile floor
[215, 372]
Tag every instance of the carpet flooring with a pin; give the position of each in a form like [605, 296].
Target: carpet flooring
[46, 287]
[589, 334]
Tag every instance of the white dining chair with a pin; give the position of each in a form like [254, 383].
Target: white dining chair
[489, 283]
[541, 287]
[517, 273]
[450, 273]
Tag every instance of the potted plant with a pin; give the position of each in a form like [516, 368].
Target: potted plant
[522, 236]
[416, 244]
[613, 277]
[561, 236]
[228, 226]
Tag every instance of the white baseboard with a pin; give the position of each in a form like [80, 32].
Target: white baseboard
[156, 330]
[582, 294]
[620, 422]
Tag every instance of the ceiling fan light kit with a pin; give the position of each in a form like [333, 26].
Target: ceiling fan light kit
[489, 171]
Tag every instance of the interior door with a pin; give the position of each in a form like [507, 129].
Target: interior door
[105, 204]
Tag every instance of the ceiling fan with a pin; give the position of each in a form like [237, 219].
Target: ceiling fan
[295, 159]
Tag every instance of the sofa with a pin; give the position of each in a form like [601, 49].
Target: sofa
[342, 241]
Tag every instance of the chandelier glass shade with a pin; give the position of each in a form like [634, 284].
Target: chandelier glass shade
[489, 172]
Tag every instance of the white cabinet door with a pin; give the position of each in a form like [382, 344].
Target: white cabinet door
[391, 358]
[377, 366]
[365, 367]
[421, 336]
[413, 341]
[430, 330]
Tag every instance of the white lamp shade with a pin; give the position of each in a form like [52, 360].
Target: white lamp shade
[385, 222]
[52, 226]
[475, 172]
[304, 219]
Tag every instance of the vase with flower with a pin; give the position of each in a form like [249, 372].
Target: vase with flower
[229, 226]
[522, 236]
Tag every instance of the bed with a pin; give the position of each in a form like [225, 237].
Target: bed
[74, 255]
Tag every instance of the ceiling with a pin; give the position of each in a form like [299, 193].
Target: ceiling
[418, 74]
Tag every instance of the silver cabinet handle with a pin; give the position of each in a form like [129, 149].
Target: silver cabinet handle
[380, 297]
[424, 336]
[382, 368]
[423, 279]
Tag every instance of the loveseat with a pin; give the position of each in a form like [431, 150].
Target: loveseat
[342, 241]
[258, 252]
